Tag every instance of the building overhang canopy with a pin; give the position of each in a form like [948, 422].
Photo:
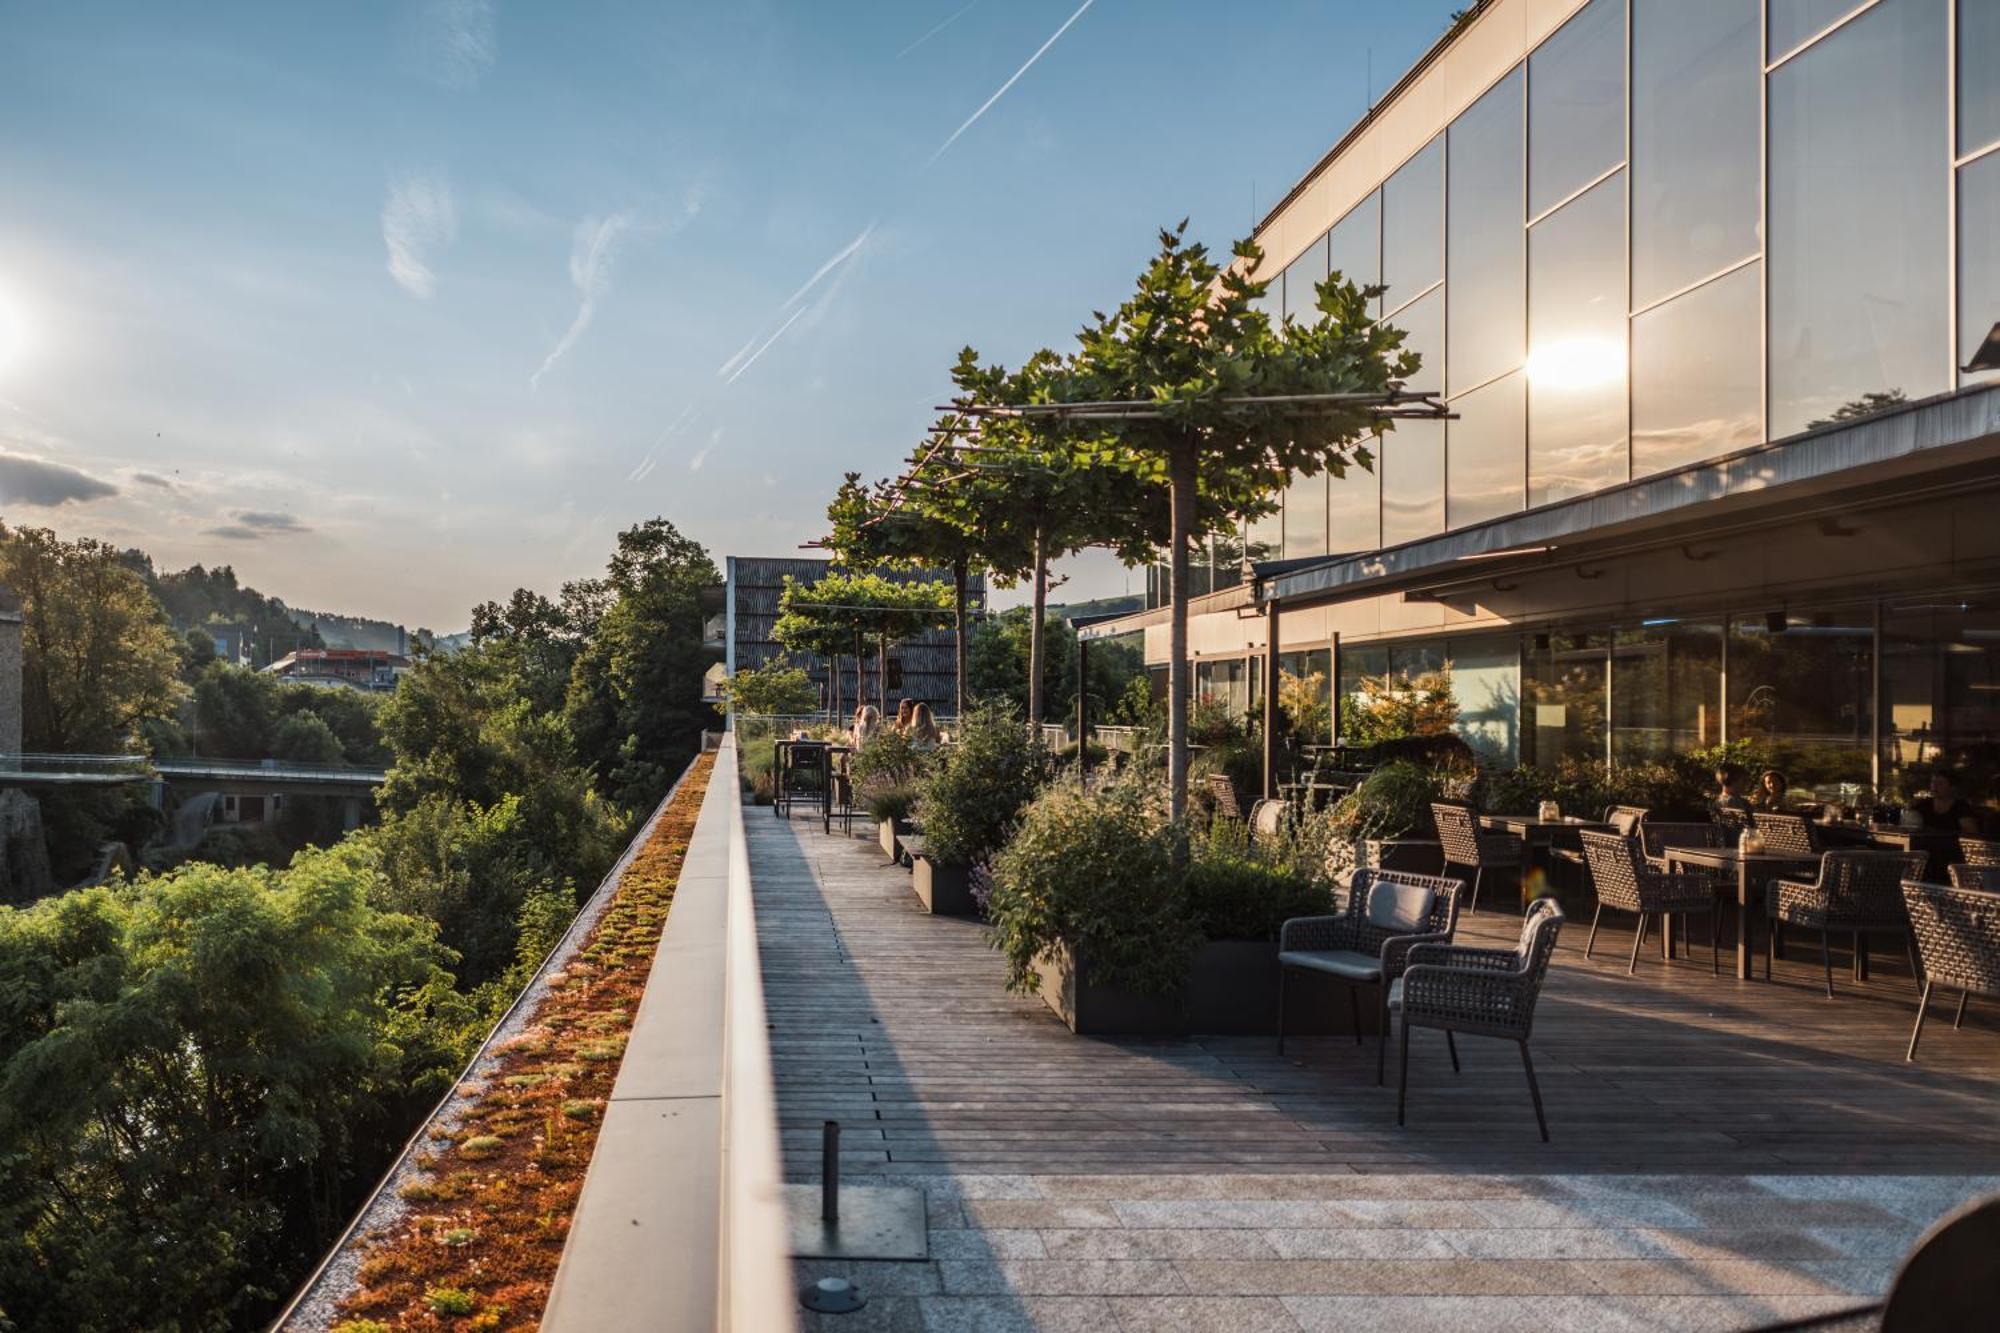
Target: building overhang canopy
[1949, 442]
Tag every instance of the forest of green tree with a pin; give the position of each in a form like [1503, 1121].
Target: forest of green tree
[204, 1068]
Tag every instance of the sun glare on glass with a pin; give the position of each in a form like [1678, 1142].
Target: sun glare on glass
[1577, 363]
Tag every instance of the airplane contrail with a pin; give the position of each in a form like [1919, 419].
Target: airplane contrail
[764, 347]
[987, 105]
[938, 29]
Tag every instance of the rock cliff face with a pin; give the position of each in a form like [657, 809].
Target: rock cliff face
[24, 852]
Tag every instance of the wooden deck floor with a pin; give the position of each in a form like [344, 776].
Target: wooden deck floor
[897, 1024]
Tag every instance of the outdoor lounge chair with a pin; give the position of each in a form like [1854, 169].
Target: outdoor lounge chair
[1627, 883]
[1484, 992]
[1466, 847]
[1859, 892]
[1979, 851]
[1227, 806]
[1388, 912]
[1965, 875]
[1654, 839]
[1957, 932]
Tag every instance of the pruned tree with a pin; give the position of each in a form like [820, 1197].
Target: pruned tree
[844, 609]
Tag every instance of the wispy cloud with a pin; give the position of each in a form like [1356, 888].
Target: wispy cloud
[590, 256]
[454, 42]
[714, 438]
[955, 17]
[765, 346]
[153, 479]
[28, 480]
[418, 220]
[987, 105]
[251, 525]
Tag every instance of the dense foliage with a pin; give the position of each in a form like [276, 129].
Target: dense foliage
[997, 666]
[970, 800]
[198, 596]
[775, 689]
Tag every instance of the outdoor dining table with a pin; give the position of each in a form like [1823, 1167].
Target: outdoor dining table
[820, 757]
[1536, 832]
[1752, 871]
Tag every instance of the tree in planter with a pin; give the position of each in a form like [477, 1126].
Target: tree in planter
[972, 797]
[1094, 873]
[860, 607]
[1230, 408]
[777, 688]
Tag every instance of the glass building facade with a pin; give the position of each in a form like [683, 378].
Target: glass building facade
[1672, 231]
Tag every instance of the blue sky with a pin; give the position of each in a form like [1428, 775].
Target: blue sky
[398, 306]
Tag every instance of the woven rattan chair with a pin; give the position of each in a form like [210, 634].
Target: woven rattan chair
[1859, 892]
[1469, 849]
[1965, 875]
[1626, 883]
[1957, 932]
[1484, 992]
[1625, 819]
[1224, 791]
[1388, 911]
[1979, 851]
[1731, 821]
[1654, 839]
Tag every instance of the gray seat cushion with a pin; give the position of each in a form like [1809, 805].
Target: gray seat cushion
[1402, 908]
[1345, 963]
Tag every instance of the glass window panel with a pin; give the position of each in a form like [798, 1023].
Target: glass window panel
[1227, 571]
[1576, 104]
[1978, 75]
[1486, 453]
[1484, 239]
[1411, 457]
[1486, 684]
[1858, 219]
[1562, 698]
[1302, 278]
[1305, 517]
[1576, 346]
[1305, 694]
[1265, 539]
[1941, 698]
[1666, 689]
[1354, 506]
[1796, 21]
[1697, 81]
[1354, 246]
[1413, 225]
[1978, 257]
[1696, 391]
[1801, 696]
[1200, 578]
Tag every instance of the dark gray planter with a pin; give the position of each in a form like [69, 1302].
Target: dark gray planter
[946, 890]
[1232, 989]
[1418, 856]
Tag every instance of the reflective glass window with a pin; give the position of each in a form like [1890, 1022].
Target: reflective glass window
[1302, 278]
[1797, 21]
[1354, 246]
[1410, 458]
[1978, 75]
[1486, 453]
[1858, 219]
[1802, 695]
[1227, 571]
[1697, 80]
[1576, 346]
[1484, 238]
[1413, 225]
[1486, 684]
[1576, 104]
[1265, 538]
[1978, 256]
[1941, 697]
[1305, 517]
[1562, 698]
[1666, 689]
[1354, 506]
[1696, 391]
[1200, 570]
[1305, 694]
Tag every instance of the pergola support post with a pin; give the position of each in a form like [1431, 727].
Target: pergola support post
[1271, 699]
[1082, 711]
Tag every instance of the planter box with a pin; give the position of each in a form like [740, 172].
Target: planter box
[891, 831]
[1232, 988]
[1418, 856]
[946, 890]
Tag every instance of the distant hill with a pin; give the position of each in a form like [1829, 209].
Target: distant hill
[1100, 606]
[339, 631]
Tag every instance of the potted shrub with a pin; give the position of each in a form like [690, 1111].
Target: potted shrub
[1388, 818]
[890, 809]
[1238, 902]
[1091, 914]
[969, 802]
[885, 772]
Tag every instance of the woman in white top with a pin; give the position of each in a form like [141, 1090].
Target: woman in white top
[867, 721]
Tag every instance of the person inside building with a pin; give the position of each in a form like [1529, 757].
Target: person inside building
[1770, 793]
[923, 729]
[1729, 789]
[905, 710]
[1944, 810]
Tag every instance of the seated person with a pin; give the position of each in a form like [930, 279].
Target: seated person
[923, 728]
[1729, 789]
[1944, 810]
[1770, 793]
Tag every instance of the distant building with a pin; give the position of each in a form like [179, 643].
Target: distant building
[349, 668]
[922, 669]
[233, 642]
